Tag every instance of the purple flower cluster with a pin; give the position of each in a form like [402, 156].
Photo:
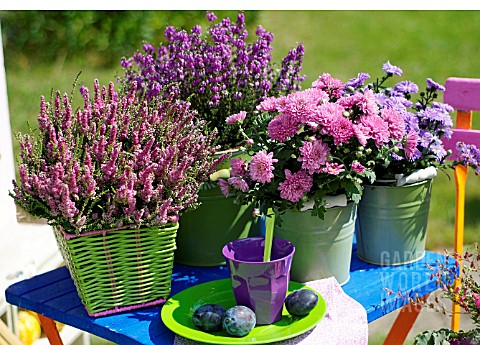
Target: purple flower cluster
[469, 156]
[219, 73]
[119, 161]
[425, 124]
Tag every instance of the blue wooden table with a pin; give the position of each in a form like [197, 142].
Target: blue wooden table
[53, 295]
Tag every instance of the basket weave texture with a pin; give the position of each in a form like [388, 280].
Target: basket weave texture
[119, 270]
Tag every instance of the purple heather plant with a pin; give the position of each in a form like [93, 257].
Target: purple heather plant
[219, 73]
[119, 161]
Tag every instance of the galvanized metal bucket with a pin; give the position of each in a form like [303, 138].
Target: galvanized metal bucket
[217, 221]
[392, 223]
[323, 247]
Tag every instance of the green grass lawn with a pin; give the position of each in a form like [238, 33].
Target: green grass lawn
[436, 44]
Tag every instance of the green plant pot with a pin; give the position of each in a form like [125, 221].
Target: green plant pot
[392, 223]
[323, 247]
[216, 222]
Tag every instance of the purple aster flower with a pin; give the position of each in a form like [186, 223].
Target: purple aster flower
[469, 155]
[406, 87]
[438, 150]
[391, 69]
[425, 138]
[359, 81]
[432, 85]
[411, 122]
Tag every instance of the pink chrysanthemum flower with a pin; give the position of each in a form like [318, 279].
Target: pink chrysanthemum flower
[282, 127]
[236, 117]
[358, 167]
[261, 167]
[362, 133]
[395, 121]
[324, 114]
[238, 183]
[365, 102]
[341, 129]
[333, 168]
[239, 167]
[314, 155]
[301, 105]
[295, 185]
[374, 127]
[269, 104]
[411, 144]
[223, 184]
[327, 83]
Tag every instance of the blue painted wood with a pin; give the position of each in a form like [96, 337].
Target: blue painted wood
[53, 294]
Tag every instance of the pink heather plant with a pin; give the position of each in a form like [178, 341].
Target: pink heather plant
[117, 162]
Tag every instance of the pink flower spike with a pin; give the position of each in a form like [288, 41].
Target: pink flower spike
[261, 167]
[236, 117]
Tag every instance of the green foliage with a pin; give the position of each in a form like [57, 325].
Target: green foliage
[100, 37]
[446, 336]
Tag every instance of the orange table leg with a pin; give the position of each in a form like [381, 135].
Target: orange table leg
[50, 330]
[460, 173]
[402, 325]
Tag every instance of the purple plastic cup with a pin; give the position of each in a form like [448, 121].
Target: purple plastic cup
[261, 286]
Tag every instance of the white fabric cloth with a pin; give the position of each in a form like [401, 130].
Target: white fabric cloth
[345, 322]
[417, 176]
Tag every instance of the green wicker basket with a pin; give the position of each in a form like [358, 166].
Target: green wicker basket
[120, 270]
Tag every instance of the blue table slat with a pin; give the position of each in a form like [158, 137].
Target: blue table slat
[53, 294]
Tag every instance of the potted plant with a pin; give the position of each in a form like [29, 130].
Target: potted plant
[313, 150]
[112, 179]
[393, 212]
[220, 72]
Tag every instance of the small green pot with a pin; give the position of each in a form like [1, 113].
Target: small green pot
[323, 247]
[392, 223]
[216, 222]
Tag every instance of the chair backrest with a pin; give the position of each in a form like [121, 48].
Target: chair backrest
[463, 94]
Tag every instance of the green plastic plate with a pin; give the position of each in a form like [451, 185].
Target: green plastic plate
[178, 310]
